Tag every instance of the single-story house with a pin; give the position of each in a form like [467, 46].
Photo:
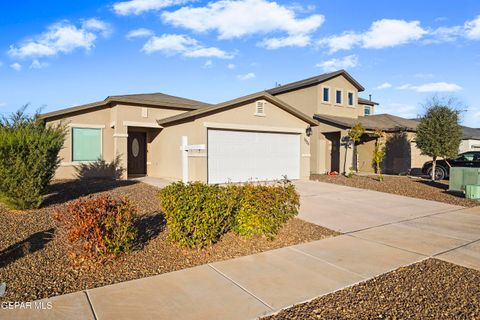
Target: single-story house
[470, 139]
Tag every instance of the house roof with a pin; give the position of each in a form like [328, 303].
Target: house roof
[471, 133]
[385, 122]
[368, 102]
[313, 81]
[148, 99]
[236, 102]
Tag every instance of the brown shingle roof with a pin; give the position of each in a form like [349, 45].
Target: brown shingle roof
[385, 122]
[366, 101]
[148, 99]
[313, 81]
[232, 103]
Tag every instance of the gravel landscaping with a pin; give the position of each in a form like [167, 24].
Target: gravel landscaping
[431, 289]
[34, 264]
[405, 186]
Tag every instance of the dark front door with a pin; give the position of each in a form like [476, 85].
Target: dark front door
[137, 153]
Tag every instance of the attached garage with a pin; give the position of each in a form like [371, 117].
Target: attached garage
[240, 156]
[253, 138]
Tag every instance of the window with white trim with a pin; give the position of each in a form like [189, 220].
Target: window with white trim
[350, 98]
[366, 110]
[86, 144]
[326, 94]
[260, 108]
[338, 96]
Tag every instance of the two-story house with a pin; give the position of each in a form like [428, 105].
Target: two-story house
[292, 130]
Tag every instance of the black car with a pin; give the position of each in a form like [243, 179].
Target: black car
[442, 170]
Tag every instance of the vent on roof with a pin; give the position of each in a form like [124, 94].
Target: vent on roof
[260, 108]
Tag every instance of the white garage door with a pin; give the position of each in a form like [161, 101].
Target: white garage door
[240, 156]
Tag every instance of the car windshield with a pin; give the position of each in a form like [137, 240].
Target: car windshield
[465, 157]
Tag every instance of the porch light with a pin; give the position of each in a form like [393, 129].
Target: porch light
[308, 132]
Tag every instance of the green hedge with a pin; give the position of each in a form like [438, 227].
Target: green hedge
[28, 159]
[199, 214]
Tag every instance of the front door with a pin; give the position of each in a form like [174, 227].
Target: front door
[137, 153]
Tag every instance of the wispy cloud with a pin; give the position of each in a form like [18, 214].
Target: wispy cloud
[235, 19]
[384, 85]
[136, 7]
[231, 66]
[208, 64]
[172, 44]
[36, 64]
[432, 87]
[347, 62]
[247, 76]
[139, 33]
[16, 66]
[62, 37]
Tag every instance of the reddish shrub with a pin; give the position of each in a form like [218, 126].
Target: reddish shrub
[96, 228]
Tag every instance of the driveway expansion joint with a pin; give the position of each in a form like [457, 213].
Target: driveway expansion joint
[91, 305]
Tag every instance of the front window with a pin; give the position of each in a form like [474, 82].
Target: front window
[86, 144]
[326, 95]
[466, 157]
[350, 98]
[366, 111]
[338, 97]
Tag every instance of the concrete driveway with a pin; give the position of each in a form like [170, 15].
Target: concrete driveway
[429, 228]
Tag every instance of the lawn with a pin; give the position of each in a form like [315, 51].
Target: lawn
[405, 186]
[431, 289]
[34, 264]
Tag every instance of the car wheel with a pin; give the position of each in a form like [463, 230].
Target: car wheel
[439, 173]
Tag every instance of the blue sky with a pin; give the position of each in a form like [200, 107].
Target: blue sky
[56, 54]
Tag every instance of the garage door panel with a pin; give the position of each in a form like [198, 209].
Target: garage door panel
[239, 156]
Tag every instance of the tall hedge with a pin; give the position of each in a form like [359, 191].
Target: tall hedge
[28, 159]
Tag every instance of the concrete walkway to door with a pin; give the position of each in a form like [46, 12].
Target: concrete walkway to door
[383, 232]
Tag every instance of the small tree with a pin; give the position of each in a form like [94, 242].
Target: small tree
[439, 132]
[28, 158]
[378, 153]
[355, 134]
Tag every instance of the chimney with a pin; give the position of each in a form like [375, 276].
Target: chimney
[370, 97]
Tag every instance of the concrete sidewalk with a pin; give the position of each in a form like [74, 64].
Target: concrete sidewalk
[383, 232]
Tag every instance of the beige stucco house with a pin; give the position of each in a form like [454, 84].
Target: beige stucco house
[292, 130]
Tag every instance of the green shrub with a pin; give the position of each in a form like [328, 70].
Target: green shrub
[263, 209]
[95, 228]
[198, 214]
[28, 159]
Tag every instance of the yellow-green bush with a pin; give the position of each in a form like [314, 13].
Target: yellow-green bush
[263, 209]
[198, 214]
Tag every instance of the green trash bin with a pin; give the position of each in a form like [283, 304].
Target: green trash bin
[472, 191]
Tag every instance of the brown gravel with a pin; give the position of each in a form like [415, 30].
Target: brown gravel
[405, 186]
[431, 289]
[34, 265]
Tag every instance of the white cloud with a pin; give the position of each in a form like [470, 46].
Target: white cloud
[247, 76]
[384, 85]
[61, 37]
[137, 7]
[300, 40]
[472, 29]
[16, 66]
[139, 33]
[94, 24]
[172, 44]
[382, 34]
[235, 19]
[432, 87]
[208, 64]
[350, 61]
[36, 64]
[231, 66]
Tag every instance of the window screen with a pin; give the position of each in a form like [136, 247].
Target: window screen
[86, 143]
[338, 98]
[366, 111]
[326, 92]
[350, 99]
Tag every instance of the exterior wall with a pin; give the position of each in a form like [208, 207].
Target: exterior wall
[340, 110]
[469, 145]
[169, 140]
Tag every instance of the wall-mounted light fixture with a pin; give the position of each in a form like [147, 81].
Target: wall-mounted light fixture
[308, 131]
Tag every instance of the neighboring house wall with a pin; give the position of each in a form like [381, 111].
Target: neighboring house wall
[469, 145]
